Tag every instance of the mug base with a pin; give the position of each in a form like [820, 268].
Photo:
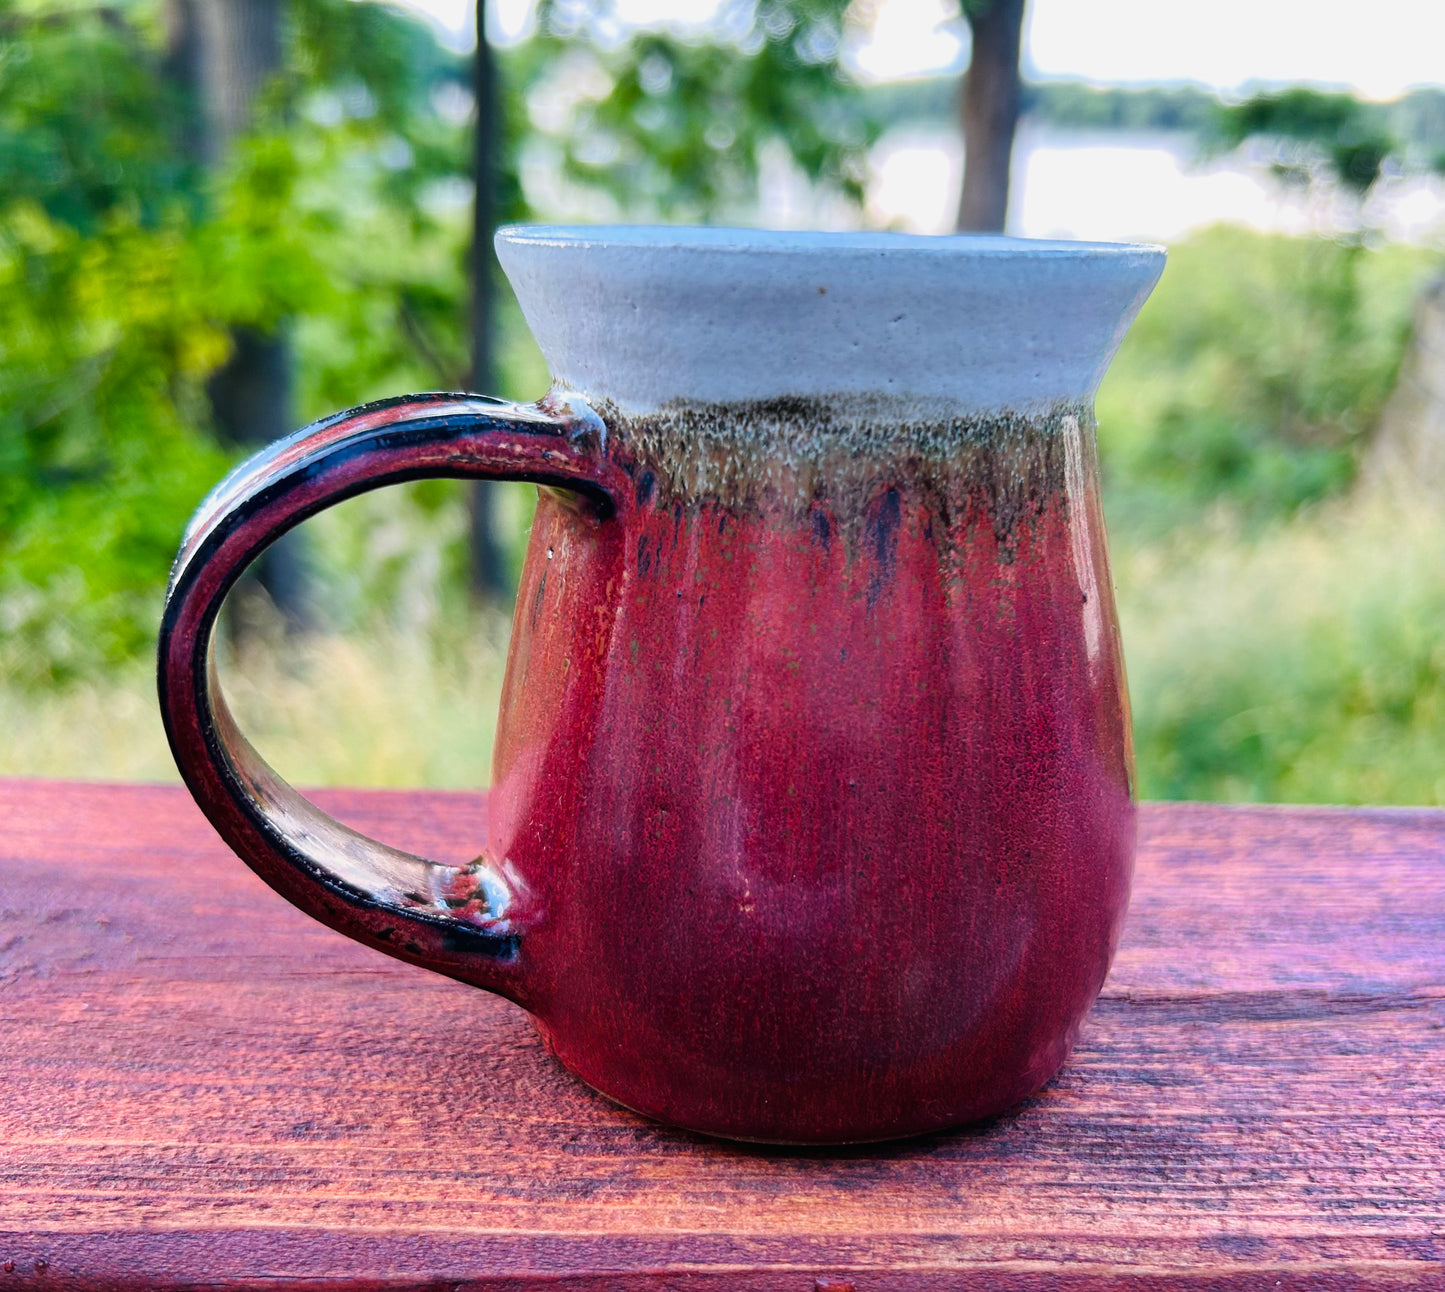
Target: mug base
[862, 1138]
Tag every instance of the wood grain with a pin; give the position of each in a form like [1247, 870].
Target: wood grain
[199, 1087]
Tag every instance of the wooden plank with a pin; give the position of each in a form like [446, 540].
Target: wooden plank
[203, 1088]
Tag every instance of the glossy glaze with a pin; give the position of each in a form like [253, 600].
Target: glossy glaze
[812, 816]
[827, 815]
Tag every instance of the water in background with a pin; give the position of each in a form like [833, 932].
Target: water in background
[1110, 185]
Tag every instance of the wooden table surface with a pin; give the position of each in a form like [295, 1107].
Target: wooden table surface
[199, 1087]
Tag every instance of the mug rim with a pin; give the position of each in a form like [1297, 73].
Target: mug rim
[737, 240]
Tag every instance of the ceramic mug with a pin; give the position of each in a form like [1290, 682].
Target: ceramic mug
[811, 816]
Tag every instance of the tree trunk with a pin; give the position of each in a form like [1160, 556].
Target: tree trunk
[489, 577]
[250, 398]
[220, 54]
[990, 111]
[240, 51]
[181, 69]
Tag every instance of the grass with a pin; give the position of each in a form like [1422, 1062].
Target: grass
[379, 708]
[1306, 665]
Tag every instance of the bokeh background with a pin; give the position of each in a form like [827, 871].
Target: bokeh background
[222, 218]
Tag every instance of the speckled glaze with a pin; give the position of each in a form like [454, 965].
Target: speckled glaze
[811, 816]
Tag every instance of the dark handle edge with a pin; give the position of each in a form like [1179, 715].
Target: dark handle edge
[458, 921]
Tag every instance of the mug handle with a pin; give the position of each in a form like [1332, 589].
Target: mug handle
[456, 920]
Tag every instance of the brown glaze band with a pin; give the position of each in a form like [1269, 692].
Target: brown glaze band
[793, 455]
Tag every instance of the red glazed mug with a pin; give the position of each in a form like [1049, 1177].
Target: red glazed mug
[811, 816]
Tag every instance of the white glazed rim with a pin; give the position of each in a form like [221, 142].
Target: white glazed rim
[643, 316]
[795, 242]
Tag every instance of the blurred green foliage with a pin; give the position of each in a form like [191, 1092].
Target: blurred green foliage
[1318, 133]
[1302, 664]
[1253, 377]
[343, 215]
[679, 123]
[123, 269]
[1283, 640]
[1320, 136]
[1284, 628]
[1314, 128]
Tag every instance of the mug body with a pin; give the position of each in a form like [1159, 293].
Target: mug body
[813, 773]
